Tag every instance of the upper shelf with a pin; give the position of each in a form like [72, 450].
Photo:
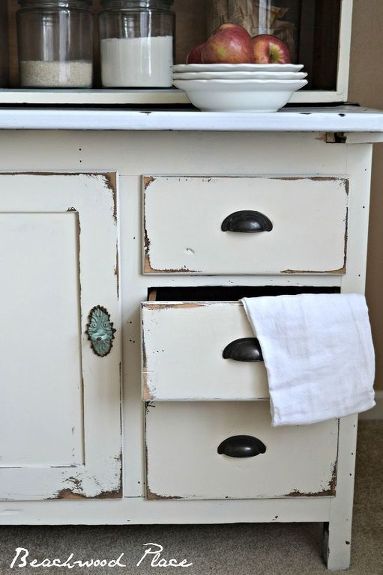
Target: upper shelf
[321, 42]
[338, 119]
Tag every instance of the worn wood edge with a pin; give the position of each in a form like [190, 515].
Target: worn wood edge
[339, 272]
[175, 305]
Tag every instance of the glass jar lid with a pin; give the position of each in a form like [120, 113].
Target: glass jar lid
[138, 4]
[55, 3]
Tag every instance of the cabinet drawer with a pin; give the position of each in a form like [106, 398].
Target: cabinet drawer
[184, 218]
[182, 440]
[183, 345]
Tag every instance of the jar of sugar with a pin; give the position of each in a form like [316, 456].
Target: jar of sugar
[55, 43]
[136, 42]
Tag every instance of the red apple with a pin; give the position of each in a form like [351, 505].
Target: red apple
[194, 56]
[229, 44]
[269, 49]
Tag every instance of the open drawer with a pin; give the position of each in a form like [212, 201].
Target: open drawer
[203, 350]
[231, 451]
[183, 353]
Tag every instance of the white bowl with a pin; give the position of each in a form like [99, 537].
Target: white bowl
[241, 85]
[239, 96]
[237, 67]
[239, 75]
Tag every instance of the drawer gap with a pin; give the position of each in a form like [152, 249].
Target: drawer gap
[230, 293]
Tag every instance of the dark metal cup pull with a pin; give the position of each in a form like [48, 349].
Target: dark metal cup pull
[247, 222]
[244, 349]
[241, 446]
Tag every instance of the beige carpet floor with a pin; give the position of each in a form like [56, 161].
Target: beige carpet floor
[221, 550]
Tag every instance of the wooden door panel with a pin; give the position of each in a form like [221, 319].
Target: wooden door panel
[40, 370]
[60, 402]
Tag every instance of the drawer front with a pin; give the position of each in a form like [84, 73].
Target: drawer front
[183, 345]
[182, 441]
[184, 218]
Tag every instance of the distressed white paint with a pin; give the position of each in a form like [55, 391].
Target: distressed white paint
[174, 335]
[183, 217]
[41, 385]
[60, 245]
[210, 154]
[94, 97]
[136, 510]
[350, 119]
[337, 541]
[182, 459]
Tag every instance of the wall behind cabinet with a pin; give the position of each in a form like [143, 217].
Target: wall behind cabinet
[366, 87]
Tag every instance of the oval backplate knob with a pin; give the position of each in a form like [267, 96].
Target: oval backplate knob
[241, 446]
[100, 331]
[247, 222]
[244, 349]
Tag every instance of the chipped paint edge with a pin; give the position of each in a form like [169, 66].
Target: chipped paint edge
[148, 269]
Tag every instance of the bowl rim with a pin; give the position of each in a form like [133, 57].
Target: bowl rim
[249, 81]
[212, 67]
[246, 75]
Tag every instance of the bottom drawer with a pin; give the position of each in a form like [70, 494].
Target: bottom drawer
[182, 441]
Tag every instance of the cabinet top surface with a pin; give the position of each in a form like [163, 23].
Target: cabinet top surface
[301, 119]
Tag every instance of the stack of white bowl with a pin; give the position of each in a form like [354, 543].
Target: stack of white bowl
[239, 87]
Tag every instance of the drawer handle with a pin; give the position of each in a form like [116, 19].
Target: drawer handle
[244, 349]
[241, 446]
[247, 222]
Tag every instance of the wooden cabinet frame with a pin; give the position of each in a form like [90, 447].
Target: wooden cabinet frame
[169, 96]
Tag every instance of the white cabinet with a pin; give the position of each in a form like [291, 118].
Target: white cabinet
[72, 239]
[59, 410]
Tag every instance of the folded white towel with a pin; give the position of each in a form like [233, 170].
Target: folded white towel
[318, 353]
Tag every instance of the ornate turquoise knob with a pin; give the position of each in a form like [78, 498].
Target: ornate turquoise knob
[100, 331]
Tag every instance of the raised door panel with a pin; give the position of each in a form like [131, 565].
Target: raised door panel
[60, 402]
[40, 377]
[187, 227]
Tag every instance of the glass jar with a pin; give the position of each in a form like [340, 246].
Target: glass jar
[136, 39]
[55, 42]
[280, 18]
[3, 44]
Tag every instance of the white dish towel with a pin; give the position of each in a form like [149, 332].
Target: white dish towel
[318, 353]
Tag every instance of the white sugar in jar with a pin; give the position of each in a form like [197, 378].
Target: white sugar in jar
[137, 62]
[136, 40]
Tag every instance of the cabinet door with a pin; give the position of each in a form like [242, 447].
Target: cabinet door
[59, 401]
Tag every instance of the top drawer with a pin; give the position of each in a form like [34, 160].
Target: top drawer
[184, 217]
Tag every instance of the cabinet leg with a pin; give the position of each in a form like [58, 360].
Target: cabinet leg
[337, 532]
[336, 545]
